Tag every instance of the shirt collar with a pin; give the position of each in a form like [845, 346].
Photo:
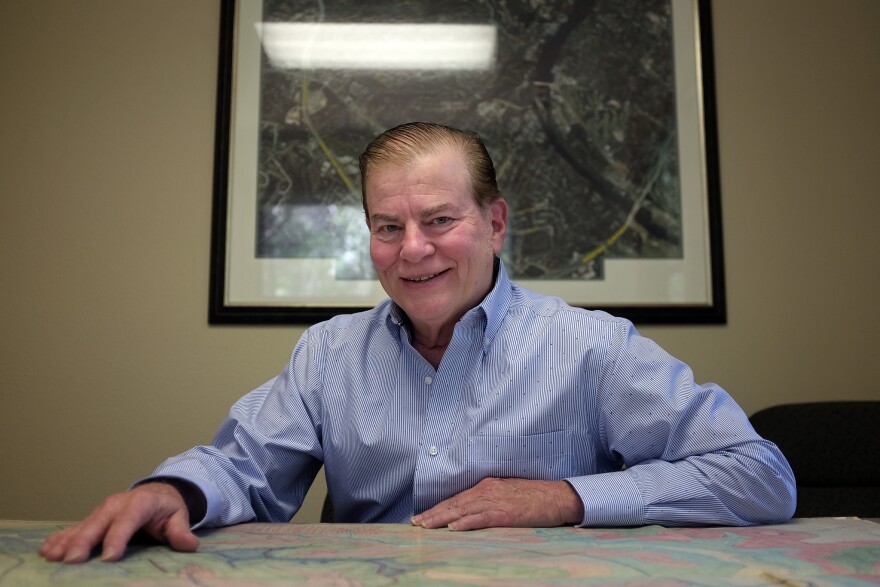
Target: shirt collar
[493, 307]
[496, 304]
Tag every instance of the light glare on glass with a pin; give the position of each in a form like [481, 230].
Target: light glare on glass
[379, 46]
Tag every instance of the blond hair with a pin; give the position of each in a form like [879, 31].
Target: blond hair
[404, 144]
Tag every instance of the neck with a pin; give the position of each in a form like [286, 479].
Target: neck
[433, 354]
[431, 345]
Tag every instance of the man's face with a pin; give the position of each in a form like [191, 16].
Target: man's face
[432, 246]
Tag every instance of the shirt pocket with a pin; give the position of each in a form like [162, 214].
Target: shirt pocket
[544, 456]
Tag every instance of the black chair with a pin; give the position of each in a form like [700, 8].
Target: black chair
[834, 451]
[328, 516]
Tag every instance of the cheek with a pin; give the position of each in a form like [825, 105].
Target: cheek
[382, 254]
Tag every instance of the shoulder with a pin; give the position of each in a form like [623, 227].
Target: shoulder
[532, 306]
[351, 329]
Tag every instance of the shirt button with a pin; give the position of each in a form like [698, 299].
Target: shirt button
[429, 380]
[433, 451]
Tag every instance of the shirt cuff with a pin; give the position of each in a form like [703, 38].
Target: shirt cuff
[610, 499]
[213, 499]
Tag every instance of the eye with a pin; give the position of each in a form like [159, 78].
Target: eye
[440, 220]
[386, 232]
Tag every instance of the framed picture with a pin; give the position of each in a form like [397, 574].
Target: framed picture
[599, 116]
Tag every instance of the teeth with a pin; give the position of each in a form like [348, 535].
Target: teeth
[426, 278]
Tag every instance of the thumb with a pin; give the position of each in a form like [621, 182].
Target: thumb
[178, 535]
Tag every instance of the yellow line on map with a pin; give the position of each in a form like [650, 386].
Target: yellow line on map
[327, 152]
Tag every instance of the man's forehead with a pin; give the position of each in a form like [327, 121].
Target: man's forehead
[431, 178]
[424, 164]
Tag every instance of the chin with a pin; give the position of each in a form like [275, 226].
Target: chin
[426, 311]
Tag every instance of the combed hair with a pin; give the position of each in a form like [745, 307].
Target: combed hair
[404, 144]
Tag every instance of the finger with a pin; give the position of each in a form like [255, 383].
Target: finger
[444, 513]
[142, 509]
[478, 521]
[78, 542]
[178, 534]
[447, 510]
[117, 538]
[77, 545]
[54, 547]
[51, 542]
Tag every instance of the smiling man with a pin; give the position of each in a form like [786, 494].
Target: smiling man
[462, 401]
[432, 244]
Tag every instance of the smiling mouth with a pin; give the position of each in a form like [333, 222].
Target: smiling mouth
[423, 279]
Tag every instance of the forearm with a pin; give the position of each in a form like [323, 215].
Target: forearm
[235, 490]
[690, 454]
[198, 480]
[254, 469]
[744, 485]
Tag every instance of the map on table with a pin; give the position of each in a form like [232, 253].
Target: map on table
[825, 551]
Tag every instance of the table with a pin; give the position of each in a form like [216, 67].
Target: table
[821, 551]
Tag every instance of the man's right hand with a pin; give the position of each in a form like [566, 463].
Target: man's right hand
[157, 508]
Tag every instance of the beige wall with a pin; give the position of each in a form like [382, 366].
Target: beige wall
[107, 364]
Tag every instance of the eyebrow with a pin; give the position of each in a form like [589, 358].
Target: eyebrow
[382, 218]
[435, 210]
[426, 213]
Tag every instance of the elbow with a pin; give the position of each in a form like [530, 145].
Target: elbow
[777, 498]
[787, 496]
[766, 492]
[783, 502]
[786, 486]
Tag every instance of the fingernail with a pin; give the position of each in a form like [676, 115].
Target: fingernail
[108, 554]
[73, 555]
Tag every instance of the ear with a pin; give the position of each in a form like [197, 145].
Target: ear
[498, 220]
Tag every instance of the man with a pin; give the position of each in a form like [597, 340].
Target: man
[464, 401]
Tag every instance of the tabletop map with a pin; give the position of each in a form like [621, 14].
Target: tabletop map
[823, 551]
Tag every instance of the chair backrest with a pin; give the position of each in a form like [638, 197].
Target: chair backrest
[328, 515]
[833, 449]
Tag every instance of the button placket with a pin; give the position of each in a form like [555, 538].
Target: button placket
[429, 381]
[445, 394]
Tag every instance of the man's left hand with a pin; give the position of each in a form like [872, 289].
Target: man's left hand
[506, 503]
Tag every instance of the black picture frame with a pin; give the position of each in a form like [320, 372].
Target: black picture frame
[710, 310]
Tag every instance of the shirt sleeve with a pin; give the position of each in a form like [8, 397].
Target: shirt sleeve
[688, 454]
[264, 456]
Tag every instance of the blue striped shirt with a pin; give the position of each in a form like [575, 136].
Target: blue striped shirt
[528, 387]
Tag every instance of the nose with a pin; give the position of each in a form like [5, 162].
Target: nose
[415, 245]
